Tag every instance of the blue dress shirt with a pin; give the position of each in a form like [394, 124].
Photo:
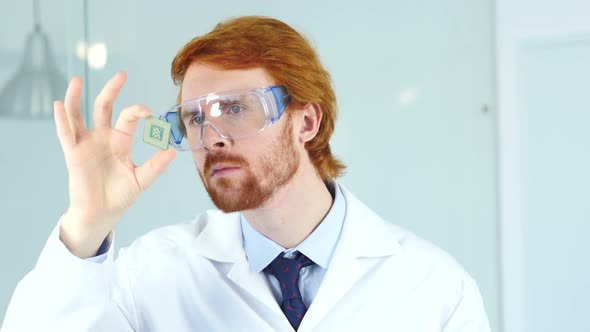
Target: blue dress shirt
[318, 246]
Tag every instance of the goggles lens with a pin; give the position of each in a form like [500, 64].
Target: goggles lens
[232, 115]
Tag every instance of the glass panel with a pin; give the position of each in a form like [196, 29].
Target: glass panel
[33, 176]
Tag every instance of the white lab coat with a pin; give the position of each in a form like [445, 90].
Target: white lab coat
[196, 277]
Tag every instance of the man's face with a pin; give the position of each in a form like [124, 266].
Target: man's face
[241, 174]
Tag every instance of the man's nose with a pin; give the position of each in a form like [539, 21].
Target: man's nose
[212, 138]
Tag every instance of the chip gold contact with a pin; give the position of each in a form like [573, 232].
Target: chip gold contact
[156, 132]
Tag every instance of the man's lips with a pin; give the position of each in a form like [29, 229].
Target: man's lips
[221, 170]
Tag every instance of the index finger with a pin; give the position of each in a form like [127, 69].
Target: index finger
[127, 121]
[103, 105]
[72, 108]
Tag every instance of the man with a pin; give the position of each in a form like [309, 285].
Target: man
[290, 249]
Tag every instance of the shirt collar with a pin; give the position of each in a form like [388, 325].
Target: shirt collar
[318, 246]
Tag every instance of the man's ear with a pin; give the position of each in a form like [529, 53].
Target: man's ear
[311, 116]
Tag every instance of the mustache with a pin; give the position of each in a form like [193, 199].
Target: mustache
[222, 158]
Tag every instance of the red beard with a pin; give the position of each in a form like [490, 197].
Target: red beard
[251, 191]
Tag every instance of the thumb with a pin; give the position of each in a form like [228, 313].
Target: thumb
[148, 172]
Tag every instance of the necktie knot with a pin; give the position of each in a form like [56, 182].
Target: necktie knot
[283, 267]
[287, 270]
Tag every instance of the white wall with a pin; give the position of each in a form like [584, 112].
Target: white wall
[543, 49]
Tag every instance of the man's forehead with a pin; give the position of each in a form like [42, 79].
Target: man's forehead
[201, 79]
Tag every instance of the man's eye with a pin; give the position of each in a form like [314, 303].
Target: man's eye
[235, 109]
[198, 119]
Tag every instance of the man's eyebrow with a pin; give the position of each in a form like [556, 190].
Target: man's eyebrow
[184, 115]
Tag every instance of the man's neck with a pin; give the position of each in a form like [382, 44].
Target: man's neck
[294, 211]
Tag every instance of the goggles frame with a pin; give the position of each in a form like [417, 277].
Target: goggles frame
[274, 100]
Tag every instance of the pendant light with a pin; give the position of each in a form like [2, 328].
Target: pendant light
[37, 83]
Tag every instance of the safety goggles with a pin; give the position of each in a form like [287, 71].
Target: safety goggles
[232, 115]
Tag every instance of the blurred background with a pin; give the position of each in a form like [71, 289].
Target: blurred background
[464, 121]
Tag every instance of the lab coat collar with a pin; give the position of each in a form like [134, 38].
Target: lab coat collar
[221, 240]
[364, 236]
[366, 240]
[364, 233]
[221, 237]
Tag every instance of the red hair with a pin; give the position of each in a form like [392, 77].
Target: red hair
[254, 41]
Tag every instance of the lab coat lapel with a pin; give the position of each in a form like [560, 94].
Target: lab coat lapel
[364, 236]
[254, 283]
[221, 240]
[343, 273]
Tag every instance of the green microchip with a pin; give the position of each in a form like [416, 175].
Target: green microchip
[156, 132]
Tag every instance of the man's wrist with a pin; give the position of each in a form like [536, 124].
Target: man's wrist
[82, 241]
